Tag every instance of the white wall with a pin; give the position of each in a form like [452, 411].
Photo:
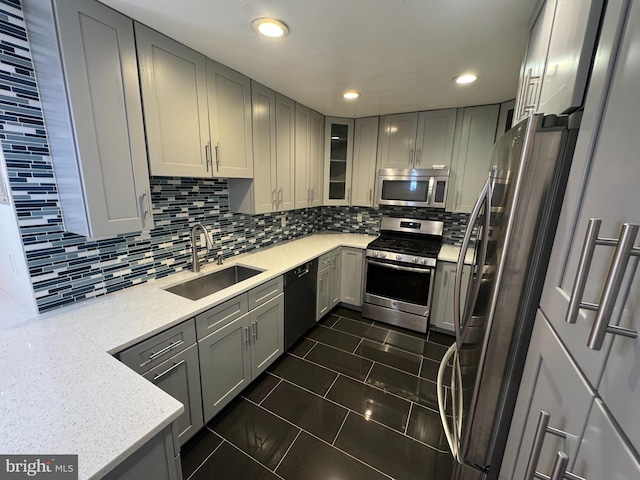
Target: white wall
[14, 274]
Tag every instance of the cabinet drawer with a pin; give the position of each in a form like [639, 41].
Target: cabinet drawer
[150, 353]
[219, 316]
[265, 292]
[325, 260]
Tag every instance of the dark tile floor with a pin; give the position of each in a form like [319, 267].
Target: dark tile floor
[354, 399]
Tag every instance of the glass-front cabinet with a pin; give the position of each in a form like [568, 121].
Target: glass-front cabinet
[338, 161]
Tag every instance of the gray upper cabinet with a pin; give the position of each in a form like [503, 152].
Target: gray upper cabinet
[417, 140]
[365, 142]
[434, 138]
[397, 140]
[229, 95]
[285, 152]
[85, 60]
[338, 154]
[472, 155]
[197, 112]
[309, 157]
[174, 92]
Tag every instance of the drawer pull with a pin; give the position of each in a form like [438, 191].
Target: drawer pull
[166, 349]
[604, 309]
[173, 367]
[541, 430]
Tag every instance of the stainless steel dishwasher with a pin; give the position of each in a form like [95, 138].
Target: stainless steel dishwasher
[300, 301]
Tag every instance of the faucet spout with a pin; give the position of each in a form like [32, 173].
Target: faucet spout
[195, 260]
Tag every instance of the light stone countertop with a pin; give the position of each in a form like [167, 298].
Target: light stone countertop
[60, 390]
[12, 311]
[449, 253]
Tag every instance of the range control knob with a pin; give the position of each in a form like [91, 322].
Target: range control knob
[423, 261]
[414, 260]
[382, 255]
[374, 254]
[398, 257]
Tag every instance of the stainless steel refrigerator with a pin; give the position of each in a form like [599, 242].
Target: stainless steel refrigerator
[511, 231]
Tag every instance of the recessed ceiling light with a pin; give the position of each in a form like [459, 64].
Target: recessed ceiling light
[466, 78]
[350, 95]
[270, 27]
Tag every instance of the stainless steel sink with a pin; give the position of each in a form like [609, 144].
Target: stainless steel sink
[214, 282]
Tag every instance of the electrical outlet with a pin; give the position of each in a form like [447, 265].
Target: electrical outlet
[283, 221]
[359, 218]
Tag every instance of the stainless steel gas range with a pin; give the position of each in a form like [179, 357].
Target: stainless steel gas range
[400, 268]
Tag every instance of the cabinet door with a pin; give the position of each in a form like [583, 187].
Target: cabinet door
[316, 158]
[180, 377]
[267, 331]
[397, 140]
[225, 364]
[173, 80]
[285, 152]
[532, 70]
[264, 143]
[434, 141]
[302, 160]
[604, 453]
[92, 107]
[336, 274]
[442, 304]
[351, 279]
[338, 161]
[365, 147]
[603, 183]
[471, 167]
[575, 27]
[550, 382]
[324, 292]
[229, 101]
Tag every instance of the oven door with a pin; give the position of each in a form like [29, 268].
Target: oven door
[399, 286]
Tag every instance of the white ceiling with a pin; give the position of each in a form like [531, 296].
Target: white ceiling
[400, 54]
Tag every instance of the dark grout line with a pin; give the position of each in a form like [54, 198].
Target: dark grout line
[349, 409]
[324, 441]
[208, 457]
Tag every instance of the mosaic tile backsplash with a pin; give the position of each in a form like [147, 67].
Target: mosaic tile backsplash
[66, 268]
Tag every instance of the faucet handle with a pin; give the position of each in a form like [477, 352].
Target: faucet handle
[220, 259]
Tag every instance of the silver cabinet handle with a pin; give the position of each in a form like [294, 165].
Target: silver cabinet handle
[411, 156]
[604, 309]
[321, 287]
[145, 206]
[217, 156]
[280, 197]
[349, 195]
[274, 198]
[308, 194]
[590, 242]
[313, 193]
[159, 353]
[371, 194]
[207, 154]
[255, 332]
[173, 367]
[541, 430]
[418, 156]
[612, 285]
[247, 341]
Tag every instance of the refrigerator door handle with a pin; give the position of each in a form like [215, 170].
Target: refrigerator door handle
[452, 432]
[483, 198]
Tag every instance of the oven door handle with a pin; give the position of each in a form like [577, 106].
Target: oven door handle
[398, 267]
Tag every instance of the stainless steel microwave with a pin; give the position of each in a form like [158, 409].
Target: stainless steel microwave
[418, 187]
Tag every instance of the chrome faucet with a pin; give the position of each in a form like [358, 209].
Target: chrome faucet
[195, 260]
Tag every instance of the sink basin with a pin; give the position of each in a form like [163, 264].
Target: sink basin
[214, 282]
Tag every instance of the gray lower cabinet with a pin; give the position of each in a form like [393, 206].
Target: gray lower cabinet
[323, 293]
[180, 377]
[225, 364]
[240, 349]
[158, 459]
[329, 279]
[170, 361]
[442, 304]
